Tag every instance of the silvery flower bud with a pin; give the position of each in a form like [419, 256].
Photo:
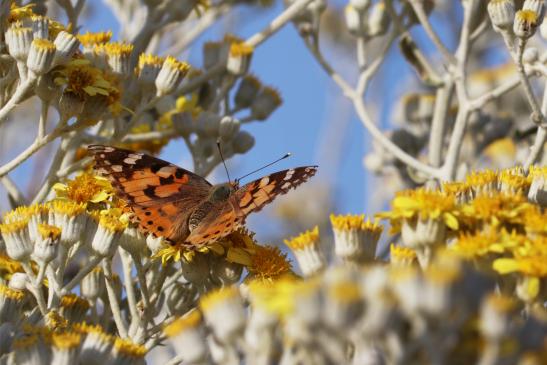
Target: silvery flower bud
[243, 142]
[229, 126]
[239, 58]
[92, 285]
[247, 91]
[40, 27]
[19, 281]
[266, 102]
[537, 6]
[207, 124]
[47, 244]
[40, 57]
[213, 54]
[502, 13]
[360, 5]
[170, 75]
[183, 123]
[378, 20]
[355, 21]
[18, 41]
[525, 24]
[66, 45]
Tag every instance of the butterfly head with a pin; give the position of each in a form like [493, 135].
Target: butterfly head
[222, 192]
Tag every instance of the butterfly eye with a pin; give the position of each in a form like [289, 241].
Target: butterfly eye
[221, 193]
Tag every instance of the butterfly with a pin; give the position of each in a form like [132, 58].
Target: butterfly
[181, 206]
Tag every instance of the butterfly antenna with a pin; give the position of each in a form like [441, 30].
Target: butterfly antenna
[288, 154]
[223, 162]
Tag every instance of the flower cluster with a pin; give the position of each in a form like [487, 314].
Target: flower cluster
[449, 295]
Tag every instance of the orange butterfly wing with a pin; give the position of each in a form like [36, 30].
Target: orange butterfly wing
[161, 195]
[225, 218]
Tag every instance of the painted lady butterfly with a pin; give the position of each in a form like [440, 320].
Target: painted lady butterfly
[181, 206]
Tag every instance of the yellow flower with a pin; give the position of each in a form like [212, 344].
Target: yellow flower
[401, 255]
[82, 79]
[47, 231]
[422, 204]
[478, 244]
[85, 188]
[20, 12]
[530, 266]
[183, 104]
[306, 239]
[66, 340]
[90, 39]
[494, 209]
[269, 263]
[128, 348]
[191, 320]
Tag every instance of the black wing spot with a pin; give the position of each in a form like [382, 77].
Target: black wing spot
[217, 232]
[206, 235]
[156, 167]
[148, 214]
[160, 228]
[167, 180]
[179, 174]
[150, 191]
[228, 225]
[149, 223]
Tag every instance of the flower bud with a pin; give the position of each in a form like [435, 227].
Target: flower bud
[502, 13]
[18, 41]
[170, 75]
[47, 243]
[239, 58]
[360, 5]
[66, 45]
[118, 58]
[229, 126]
[40, 27]
[243, 142]
[525, 24]
[247, 91]
[40, 56]
[207, 124]
[266, 102]
[355, 20]
[149, 68]
[537, 6]
[378, 20]
[183, 123]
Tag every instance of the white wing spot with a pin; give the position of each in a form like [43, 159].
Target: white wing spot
[117, 168]
[289, 174]
[108, 149]
[264, 181]
[130, 161]
[287, 185]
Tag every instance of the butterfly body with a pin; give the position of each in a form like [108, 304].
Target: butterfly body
[181, 206]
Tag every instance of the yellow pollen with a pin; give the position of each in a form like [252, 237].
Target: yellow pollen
[117, 48]
[216, 297]
[74, 301]
[150, 59]
[240, 49]
[173, 63]
[129, 348]
[14, 227]
[66, 340]
[268, 262]
[14, 294]
[189, 321]
[306, 239]
[527, 16]
[399, 253]
[113, 220]
[44, 44]
[67, 207]
[9, 265]
[47, 231]
[354, 222]
[90, 39]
